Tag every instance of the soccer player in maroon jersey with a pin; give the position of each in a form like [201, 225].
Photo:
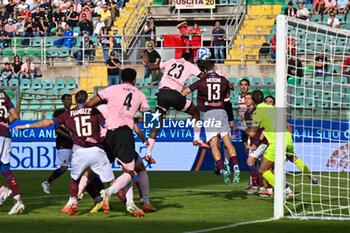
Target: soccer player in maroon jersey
[257, 146]
[212, 90]
[6, 108]
[84, 125]
[64, 144]
[176, 73]
[123, 102]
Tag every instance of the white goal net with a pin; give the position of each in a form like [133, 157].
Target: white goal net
[313, 94]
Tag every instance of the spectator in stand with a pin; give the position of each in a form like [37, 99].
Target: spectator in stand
[333, 21]
[273, 48]
[218, 41]
[105, 15]
[88, 46]
[90, 4]
[106, 43]
[72, 17]
[302, 12]
[10, 6]
[26, 14]
[36, 15]
[121, 4]
[77, 6]
[28, 70]
[68, 40]
[19, 27]
[116, 40]
[58, 17]
[156, 77]
[329, 6]
[113, 7]
[97, 6]
[4, 16]
[55, 4]
[3, 38]
[43, 27]
[185, 31]
[10, 28]
[15, 15]
[342, 6]
[88, 13]
[86, 26]
[34, 5]
[64, 6]
[290, 11]
[196, 42]
[291, 49]
[17, 68]
[113, 69]
[150, 32]
[321, 65]
[22, 6]
[318, 7]
[47, 17]
[60, 29]
[30, 28]
[98, 25]
[46, 4]
[295, 67]
[154, 58]
[6, 72]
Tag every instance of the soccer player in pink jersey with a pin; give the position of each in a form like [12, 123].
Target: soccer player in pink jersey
[7, 108]
[212, 91]
[84, 125]
[176, 73]
[123, 102]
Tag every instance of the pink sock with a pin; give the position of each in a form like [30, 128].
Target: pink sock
[151, 144]
[123, 180]
[82, 184]
[129, 193]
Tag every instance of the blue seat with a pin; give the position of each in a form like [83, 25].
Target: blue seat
[25, 84]
[64, 91]
[193, 80]
[154, 93]
[71, 84]
[139, 82]
[53, 93]
[48, 83]
[147, 82]
[29, 94]
[256, 81]
[36, 83]
[59, 83]
[49, 115]
[233, 80]
[41, 94]
[343, 80]
[146, 92]
[23, 105]
[269, 81]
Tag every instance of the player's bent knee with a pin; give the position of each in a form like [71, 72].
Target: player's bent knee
[5, 167]
[250, 161]
[131, 173]
[140, 167]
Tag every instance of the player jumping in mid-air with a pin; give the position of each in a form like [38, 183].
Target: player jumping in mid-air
[176, 73]
[84, 124]
[6, 108]
[64, 144]
[212, 90]
[123, 102]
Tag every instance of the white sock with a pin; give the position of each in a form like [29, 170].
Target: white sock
[17, 198]
[270, 190]
[288, 190]
[70, 201]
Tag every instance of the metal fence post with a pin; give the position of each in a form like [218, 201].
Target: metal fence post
[242, 51]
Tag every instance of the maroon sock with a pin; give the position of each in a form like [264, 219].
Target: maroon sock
[73, 188]
[234, 160]
[287, 186]
[91, 189]
[219, 164]
[254, 174]
[1, 185]
[260, 180]
[121, 195]
[269, 186]
[12, 182]
[55, 174]
[138, 187]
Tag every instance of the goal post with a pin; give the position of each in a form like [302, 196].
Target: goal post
[313, 94]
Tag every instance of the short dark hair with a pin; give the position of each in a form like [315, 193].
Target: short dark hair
[208, 65]
[81, 97]
[290, 3]
[200, 64]
[248, 93]
[270, 96]
[7, 64]
[244, 79]
[98, 15]
[187, 56]
[128, 75]
[258, 97]
[63, 97]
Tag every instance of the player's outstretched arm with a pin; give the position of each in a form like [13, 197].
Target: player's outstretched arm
[94, 101]
[140, 134]
[150, 65]
[40, 124]
[13, 115]
[186, 91]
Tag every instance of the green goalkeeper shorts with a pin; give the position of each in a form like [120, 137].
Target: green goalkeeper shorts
[270, 151]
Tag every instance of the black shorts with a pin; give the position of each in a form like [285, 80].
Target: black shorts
[229, 110]
[120, 143]
[170, 98]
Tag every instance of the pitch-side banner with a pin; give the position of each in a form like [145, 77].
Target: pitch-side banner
[194, 4]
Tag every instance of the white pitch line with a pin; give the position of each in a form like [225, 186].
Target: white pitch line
[231, 226]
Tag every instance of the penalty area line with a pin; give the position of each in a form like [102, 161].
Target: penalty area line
[231, 226]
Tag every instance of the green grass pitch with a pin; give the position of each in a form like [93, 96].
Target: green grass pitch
[186, 201]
